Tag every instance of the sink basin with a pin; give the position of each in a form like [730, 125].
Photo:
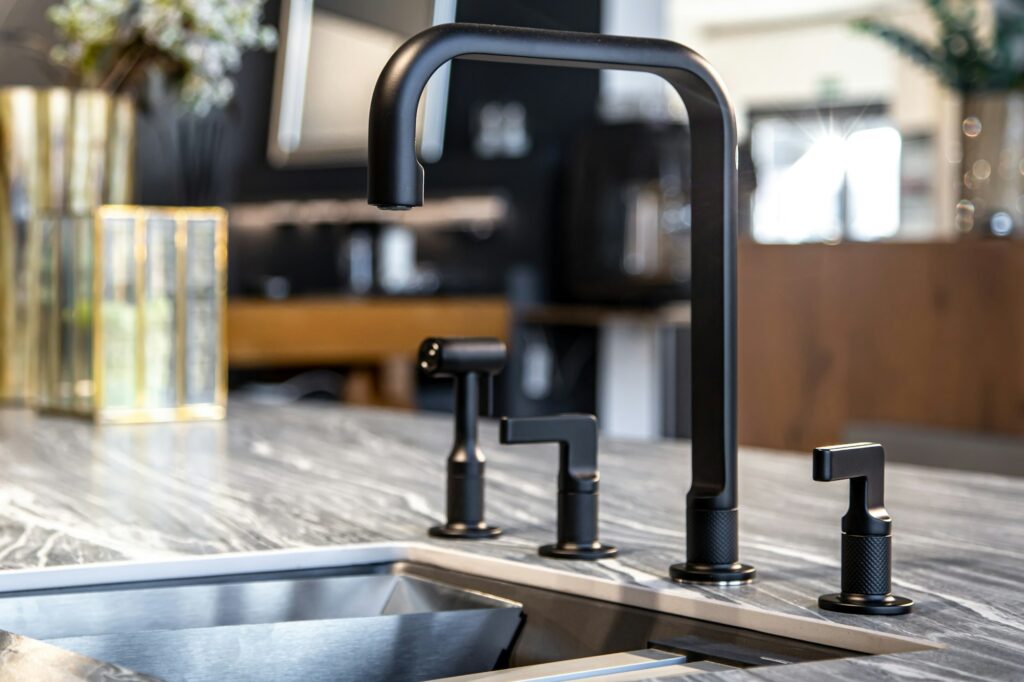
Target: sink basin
[271, 627]
[402, 611]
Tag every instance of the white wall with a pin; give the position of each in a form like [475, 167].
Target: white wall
[800, 59]
[796, 52]
[793, 62]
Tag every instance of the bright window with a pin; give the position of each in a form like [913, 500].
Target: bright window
[825, 176]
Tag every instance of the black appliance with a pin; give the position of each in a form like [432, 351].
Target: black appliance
[627, 233]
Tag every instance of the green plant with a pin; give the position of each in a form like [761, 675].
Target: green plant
[961, 57]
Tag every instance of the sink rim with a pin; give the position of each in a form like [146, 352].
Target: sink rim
[664, 597]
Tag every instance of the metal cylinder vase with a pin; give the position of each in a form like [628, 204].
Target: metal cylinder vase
[63, 152]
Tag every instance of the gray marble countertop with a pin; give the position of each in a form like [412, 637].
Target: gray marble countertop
[306, 476]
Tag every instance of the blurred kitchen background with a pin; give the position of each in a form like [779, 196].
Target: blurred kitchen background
[880, 261]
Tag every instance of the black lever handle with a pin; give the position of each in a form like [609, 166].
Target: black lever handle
[867, 531]
[470, 361]
[576, 435]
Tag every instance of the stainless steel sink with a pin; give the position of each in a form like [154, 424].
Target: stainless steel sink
[301, 627]
[401, 612]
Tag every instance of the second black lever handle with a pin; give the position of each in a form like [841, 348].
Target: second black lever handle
[576, 435]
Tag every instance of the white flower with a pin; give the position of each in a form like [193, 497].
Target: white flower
[268, 38]
[205, 39]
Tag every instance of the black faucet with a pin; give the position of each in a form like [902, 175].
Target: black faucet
[395, 181]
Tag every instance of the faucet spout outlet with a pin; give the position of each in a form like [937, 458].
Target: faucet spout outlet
[395, 181]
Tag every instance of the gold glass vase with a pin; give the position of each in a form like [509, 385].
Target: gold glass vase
[159, 287]
[63, 153]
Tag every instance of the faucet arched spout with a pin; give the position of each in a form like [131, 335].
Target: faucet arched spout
[395, 181]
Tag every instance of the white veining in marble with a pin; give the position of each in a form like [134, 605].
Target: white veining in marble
[318, 476]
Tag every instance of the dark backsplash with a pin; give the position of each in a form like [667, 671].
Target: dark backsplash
[558, 102]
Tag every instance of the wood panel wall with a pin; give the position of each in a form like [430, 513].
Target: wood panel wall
[924, 334]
